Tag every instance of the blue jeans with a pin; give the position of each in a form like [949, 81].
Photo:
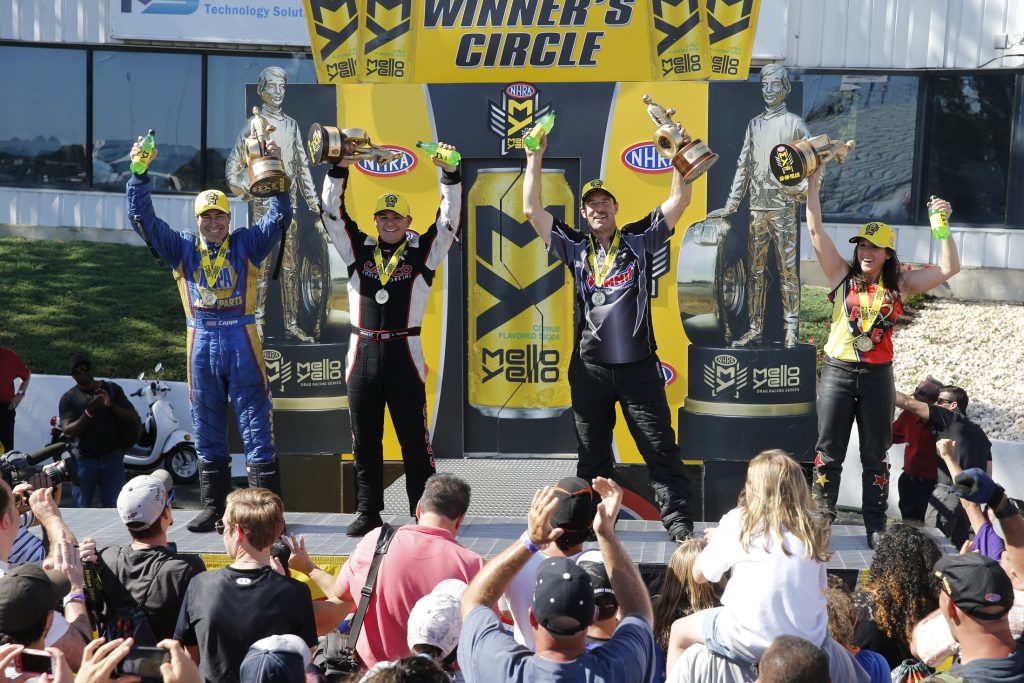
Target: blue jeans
[106, 472]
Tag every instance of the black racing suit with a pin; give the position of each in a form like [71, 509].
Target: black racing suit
[385, 364]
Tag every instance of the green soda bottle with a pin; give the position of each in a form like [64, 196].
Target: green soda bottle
[449, 157]
[140, 162]
[939, 221]
[544, 125]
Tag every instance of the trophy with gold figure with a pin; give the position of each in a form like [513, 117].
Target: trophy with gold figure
[691, 157]
[327, 144]
[792, 162]
[267, 174]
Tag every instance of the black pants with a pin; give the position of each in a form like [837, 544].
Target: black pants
[914, 494]
[640, 390]
[865, 394]
[6, 426]
[383, 373]
[946, 514]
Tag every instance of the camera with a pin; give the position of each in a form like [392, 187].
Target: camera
[16, 466]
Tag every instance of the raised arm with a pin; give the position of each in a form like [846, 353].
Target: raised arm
[627, 585]
[678, 199]
[917, 281]
[533, 204]
[916, 407]
[449, 213]
[340, 226]
[832, 263]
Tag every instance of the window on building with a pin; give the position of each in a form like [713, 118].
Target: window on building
[42, 136]
[879, 112]
[968, 144]
[136, 91]
[226, 78]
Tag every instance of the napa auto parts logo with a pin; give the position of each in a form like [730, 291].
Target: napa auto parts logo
[161, 6]
[403, 164]
[644, 157]
[513, 117]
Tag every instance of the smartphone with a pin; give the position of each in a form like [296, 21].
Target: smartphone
[144, 661]
[35, 662]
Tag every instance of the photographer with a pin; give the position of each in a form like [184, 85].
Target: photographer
[100, 423]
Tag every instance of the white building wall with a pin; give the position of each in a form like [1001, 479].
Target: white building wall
[903, 34]
[55, 21]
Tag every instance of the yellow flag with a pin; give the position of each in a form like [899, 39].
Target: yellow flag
[679, 40]
[334, 36]
[731, 27]
[387, 36]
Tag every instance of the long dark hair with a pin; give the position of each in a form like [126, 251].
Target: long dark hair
[892, 271]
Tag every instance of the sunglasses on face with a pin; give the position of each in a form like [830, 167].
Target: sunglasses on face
[942, 401]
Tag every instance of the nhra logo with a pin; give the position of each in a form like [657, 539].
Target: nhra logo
[161, 6]
[513, 117]
[668, 373]
[644, 157]
[725, 375]
[278, 369]
[403, 164]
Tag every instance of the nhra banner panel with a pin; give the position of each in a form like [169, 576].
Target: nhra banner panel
[475, 41]
[260, 22]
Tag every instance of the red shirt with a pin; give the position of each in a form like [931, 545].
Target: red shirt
[11, 366]
[419, 558]
[920, 458]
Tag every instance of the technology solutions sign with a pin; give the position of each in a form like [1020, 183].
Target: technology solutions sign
[262, 22]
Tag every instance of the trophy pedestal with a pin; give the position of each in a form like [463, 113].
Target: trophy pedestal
[267, 177]
[693, 160]
[740, 402]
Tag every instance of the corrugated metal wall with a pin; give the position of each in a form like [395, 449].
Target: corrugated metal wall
[902, 34]
[55, 21]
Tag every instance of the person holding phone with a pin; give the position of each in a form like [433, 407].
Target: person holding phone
[27, 596]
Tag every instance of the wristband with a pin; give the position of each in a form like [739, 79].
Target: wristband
[1008, 510]
[72, 597]
[528, 542]
[87, 413]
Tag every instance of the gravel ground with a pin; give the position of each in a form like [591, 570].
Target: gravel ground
[975, 345]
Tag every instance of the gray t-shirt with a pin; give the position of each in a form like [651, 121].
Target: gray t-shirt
[489, 654]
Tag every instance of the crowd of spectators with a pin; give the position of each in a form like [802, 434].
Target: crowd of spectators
[749, 602]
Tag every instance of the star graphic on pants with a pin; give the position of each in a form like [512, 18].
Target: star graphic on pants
[822, 479]
[818, 460]
[881, 481]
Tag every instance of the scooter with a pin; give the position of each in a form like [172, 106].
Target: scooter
[162, 440]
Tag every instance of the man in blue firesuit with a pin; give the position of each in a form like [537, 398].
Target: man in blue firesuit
[217, 275]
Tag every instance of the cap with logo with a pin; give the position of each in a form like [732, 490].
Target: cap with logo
[436, 618]
[976, 583]
[563, 597]
[143, 499]
[27, 593]
[211, 199]
[596, 185]
[392, 202]
[576, 504]
[878, 233]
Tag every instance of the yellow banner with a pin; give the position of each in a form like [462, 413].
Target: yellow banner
[334, 36]
[731, 27]
[679, 40]
[387, 36]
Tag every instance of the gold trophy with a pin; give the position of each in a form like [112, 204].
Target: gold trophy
[326, 145]
[792, 162]
[267, 174]
[691, 157]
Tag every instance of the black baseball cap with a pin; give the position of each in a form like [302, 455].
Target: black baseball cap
[79, 359]
[576, 505]
[563, 597]
[27, 593]
[974, 583]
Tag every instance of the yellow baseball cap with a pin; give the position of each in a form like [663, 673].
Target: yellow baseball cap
[595, 185]
[392, 202]
[878, 233]
[211, 199]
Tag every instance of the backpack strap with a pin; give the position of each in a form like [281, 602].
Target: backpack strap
[387, 532]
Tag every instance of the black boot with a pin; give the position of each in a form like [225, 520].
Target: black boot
[265, 475]
[364, 523]
[214, 487]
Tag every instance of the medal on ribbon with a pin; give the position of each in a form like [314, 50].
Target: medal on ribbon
[870, 316]
[211, 271]
[601, 271]
[384, 271]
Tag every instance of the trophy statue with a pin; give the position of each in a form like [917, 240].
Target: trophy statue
[692, 158]
[267, 174]
[326, 145]
[792, 162]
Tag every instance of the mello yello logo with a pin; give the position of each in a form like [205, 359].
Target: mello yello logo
[674, 19]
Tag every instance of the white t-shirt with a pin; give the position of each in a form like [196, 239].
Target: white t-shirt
[768, 594]
[519, 597]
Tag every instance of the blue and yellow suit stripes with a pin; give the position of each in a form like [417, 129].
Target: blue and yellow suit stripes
[225, 354]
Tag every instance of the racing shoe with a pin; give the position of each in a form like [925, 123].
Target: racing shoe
[680, 533]
[364, 523]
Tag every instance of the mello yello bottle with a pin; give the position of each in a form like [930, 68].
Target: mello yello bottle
[543, 126]
[938, 219]
[140, 162]
[449, 157]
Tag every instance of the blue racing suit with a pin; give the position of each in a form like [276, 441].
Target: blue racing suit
[225, 354]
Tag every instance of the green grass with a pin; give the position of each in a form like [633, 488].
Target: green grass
[109, 300]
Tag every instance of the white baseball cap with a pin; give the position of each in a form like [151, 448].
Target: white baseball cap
[436, 618]
[143, 499]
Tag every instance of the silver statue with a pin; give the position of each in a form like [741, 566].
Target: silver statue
[285, 133]
[773, 217]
